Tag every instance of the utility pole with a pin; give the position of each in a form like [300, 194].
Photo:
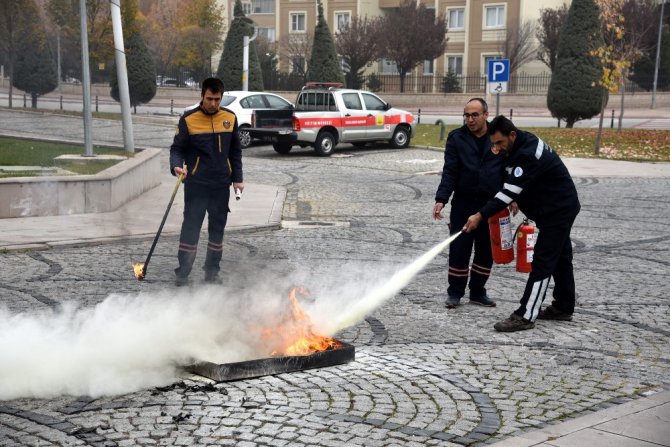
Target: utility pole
[122, 76]
[58, 50]
[86, 81]
[658, 58]
[245, 59]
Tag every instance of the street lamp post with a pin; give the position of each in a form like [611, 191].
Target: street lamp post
[86, 81]
[245, 59]
[658, 58]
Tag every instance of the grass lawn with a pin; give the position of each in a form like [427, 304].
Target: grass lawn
[18, 152]
[628, 144]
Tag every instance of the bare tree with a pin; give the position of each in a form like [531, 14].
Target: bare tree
[550, 23]
[518, 45]
[358, 45]
[641, 24]
[625, 41]
[294, 48]
[163, 33]
[267, 57]
[410, 35]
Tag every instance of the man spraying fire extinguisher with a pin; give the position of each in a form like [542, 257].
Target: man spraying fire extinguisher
[538, 181]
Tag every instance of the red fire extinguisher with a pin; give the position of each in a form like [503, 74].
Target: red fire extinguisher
[502, 239]
[525, 246]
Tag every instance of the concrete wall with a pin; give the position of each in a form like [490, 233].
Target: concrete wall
[80, 194]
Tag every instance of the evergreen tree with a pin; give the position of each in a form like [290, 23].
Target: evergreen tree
[574, 93]
[324, 65]
[34, 67]
[141, 72]
[230, 65]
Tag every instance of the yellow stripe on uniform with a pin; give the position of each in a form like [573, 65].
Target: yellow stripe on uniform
[199, 123]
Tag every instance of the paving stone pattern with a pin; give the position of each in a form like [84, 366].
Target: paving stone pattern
[423, 375]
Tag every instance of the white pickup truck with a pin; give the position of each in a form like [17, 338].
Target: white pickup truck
[326, 115]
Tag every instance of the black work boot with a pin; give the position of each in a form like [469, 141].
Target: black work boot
[181, 281]
[212, 277]
[552, 313]
[483, 300]
[513, 323]
[453, 301]
[186, 260]
[211, 267]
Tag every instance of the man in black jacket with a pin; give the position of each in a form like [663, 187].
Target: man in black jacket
[538, 181]
[473, 174]
[206, 151]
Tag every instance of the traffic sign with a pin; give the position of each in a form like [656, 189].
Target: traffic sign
[498, 70]
[497, 87]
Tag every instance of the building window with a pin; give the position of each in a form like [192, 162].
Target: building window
[246, 7]
[344, 65]
[262, 6]
[297, 65]
[389, 67]
[267, 33]
[342, 21]
[297, 22]
[455, 64]
[456, 19]
[495, 16]
[428, 67]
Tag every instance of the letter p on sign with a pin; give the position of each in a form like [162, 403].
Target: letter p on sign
[498, 70]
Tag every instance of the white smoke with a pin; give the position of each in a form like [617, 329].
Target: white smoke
[127, 342]
[132, 342]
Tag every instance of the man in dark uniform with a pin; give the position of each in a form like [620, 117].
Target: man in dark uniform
[541, 185]
[473, 174]
[206, 151]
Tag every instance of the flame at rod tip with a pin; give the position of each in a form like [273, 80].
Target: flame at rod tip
[138, 269]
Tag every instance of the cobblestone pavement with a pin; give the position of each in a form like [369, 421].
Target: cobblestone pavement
[423, 375]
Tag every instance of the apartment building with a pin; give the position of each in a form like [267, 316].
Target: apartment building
[476, 31]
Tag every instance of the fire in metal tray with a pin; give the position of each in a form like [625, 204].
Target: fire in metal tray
[293, 344]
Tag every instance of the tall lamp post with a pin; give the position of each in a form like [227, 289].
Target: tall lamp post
[245, 58]
[658, 57]
[86, 81]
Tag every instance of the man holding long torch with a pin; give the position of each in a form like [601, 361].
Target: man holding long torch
[208, 144]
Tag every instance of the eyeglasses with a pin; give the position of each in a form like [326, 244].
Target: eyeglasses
[474, 115]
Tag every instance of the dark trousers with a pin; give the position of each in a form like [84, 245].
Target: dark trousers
[460, 251]
[552, 257]
[199, 199]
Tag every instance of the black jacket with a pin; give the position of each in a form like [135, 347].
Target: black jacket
[209, 145]
[469, 172]
[538, 181]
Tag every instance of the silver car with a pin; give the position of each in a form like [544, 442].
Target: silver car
[244, 103]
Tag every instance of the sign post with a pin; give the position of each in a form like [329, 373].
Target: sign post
[498, 77]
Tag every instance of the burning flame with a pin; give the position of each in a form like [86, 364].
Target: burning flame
[296, 334]
[138, 268]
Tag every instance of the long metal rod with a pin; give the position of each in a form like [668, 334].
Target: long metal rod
[160, 228]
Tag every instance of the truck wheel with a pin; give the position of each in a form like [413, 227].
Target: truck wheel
[400, 139]
[325, 144]
[245, 138]
[282, 148]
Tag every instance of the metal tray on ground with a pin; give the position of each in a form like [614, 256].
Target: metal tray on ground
[274, 365]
